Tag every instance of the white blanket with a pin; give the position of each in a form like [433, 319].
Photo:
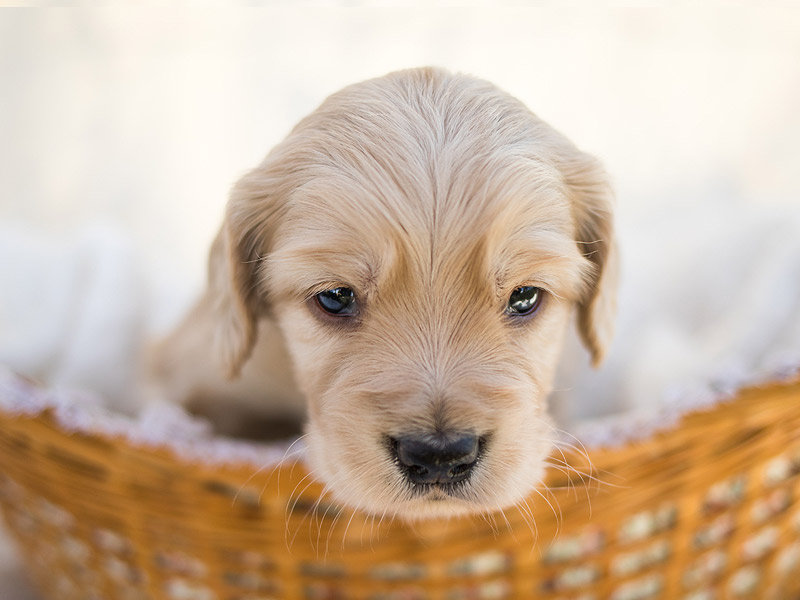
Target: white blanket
[709, 298]
[72, 309]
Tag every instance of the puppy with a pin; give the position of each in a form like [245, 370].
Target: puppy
[401, 270]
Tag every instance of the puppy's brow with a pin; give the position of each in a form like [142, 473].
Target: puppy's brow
[302, 270]
[257, 259]
[550, 260]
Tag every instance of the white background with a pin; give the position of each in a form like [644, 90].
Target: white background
[147, 118]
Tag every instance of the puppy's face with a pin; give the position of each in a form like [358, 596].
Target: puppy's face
[422, 240]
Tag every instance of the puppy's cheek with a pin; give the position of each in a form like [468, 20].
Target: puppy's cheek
[353, 464]
[541, 345]
[313, 351]
[515, 461]
[343, 437]
[325, 462]
[315, 454]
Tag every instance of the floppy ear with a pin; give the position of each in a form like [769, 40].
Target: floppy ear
[235, 274]
[592, 206]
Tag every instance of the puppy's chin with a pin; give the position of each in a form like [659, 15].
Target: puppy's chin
[439, 504]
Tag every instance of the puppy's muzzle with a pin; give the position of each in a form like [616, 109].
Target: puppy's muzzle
[438, 459]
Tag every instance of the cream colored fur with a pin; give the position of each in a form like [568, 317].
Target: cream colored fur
[433, 196]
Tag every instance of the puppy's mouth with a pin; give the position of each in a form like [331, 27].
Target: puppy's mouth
[441, 492]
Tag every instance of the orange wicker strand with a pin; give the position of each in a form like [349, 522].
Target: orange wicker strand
[706, 510]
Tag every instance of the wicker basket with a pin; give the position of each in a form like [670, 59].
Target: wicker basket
[708, 509]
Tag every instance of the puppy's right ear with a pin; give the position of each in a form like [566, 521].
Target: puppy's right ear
[234, 271]
[592, 202]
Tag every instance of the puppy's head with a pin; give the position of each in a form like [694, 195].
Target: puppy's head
[421, 239]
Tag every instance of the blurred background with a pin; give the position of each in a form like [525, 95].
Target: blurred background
[135, 123]
[145, 119]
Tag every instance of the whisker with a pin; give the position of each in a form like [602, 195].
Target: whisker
[526, 512]
[353, 512]
[319, 531]
[509, 528]
[566, 472]
[589, 476]
[558, 515]
[285, 456]
[290, 509]
[332, 527]
[275, 467]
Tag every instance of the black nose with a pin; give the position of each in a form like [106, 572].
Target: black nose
[437, 459]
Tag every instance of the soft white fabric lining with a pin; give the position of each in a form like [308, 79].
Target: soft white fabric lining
[160, 426]
[709, 302]
[191, 439]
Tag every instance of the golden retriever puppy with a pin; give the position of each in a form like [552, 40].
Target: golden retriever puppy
[405, 265]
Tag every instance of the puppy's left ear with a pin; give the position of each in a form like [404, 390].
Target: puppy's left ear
[235, 275]
[592, 205]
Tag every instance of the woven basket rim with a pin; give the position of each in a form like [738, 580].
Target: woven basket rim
[613, 432]
[81, 411]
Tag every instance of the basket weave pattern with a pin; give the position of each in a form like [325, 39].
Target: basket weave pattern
[708, 510]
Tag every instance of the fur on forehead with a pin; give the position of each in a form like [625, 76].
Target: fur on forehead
[417, 163]
[424, 143]
[515, 229]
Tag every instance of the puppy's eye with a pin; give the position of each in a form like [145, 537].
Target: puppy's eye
[524, 300]
[339, 301]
